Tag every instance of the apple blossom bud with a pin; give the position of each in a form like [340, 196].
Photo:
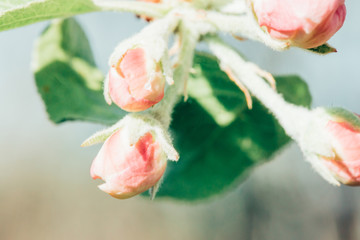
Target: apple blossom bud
[304, 23]
[136, 81]
[344, 132]
[330, 140]
[129, 168]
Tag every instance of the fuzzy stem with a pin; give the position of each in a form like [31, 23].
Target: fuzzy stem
[243, 23]
[189, 36]
[293, 118]
[137, 7]
[154, 36]
[162, 28]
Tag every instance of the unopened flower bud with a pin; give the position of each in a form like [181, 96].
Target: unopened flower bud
[344, 132]
[330, 141]
[304, 23]
[136, 81]
[129, 168]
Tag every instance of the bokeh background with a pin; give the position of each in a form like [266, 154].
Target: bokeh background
[46, 191]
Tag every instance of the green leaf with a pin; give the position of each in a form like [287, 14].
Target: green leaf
[67, 78]
[17, 13]
[323, 49]
[217, 153]
[218, 138]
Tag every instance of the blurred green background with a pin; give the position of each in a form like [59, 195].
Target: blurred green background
[46, 191]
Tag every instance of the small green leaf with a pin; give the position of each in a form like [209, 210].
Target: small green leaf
[216, 155]
[17, 13]
[343, 115]
[323, 49]
[67, 78]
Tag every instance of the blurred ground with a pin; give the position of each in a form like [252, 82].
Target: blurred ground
[46, 191]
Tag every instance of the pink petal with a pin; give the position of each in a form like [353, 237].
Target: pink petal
[132, 86]
[346, 142]
[129, 169]
[306, 23]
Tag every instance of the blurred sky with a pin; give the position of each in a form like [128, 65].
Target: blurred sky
[46, 191]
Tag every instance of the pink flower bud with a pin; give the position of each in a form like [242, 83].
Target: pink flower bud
[136, 82]
[305, 23]
[345, 139]
[128, 169]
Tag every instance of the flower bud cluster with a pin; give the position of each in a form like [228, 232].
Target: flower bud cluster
[136, 149]
[134, 155]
